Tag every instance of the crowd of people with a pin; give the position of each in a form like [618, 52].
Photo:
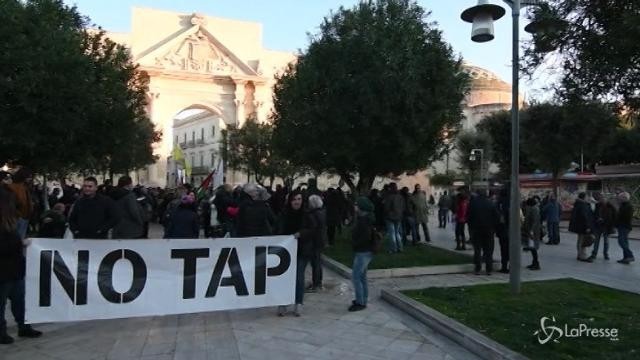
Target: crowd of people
[486, 217]
[315, 218]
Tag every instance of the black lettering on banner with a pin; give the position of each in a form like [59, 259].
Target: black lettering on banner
[227, 256]
[190, 257]
[76, 288]
[105, 276]
[261, 271]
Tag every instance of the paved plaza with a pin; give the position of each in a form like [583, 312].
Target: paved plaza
[325, 331]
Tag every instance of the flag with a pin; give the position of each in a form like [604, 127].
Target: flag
[218, 178]
[177, 153]
[202, 189]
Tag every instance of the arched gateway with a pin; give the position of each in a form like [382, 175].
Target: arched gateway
[197, 61]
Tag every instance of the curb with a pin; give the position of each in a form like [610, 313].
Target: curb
[466, 337]
[345, 271]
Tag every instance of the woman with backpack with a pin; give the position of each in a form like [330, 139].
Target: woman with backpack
[363, 239]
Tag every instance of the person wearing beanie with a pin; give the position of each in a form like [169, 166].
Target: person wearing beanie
[362, 239]
[184, 222]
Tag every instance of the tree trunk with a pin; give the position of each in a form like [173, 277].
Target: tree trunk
[365, 182]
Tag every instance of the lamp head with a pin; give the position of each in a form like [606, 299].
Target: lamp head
[482, 17]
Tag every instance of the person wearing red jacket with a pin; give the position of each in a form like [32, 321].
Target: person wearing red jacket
[462, 207]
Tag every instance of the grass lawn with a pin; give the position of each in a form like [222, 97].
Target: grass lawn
[512, 320]
[412, 256]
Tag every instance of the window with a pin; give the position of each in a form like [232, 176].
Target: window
[213, 159]
[213, 131]
[193, 136]
[202, 134]
[201, 159]
[176, 139]
[185, 138]
[193, 159]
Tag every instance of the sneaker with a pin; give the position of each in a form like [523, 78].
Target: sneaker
[357, 307]
[592, 257]
[29, 332]
[310, 289]
[488, 273]
[282, 310]
[533, 267]
[477, 272]
[504, 271]
[5, 339]
[606, 257]
[624, 261]
[297, 310]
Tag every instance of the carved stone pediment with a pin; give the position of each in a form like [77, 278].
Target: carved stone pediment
[196, 53]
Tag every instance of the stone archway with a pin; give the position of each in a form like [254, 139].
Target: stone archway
[199, 61]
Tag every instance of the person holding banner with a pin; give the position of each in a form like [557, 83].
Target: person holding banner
[290, 223]
[12, 270]
[312, 239]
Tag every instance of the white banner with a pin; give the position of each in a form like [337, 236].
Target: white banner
[72, 280]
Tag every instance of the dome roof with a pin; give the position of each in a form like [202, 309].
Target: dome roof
[483, 79]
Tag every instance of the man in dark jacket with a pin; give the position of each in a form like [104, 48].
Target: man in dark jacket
[623, 223]
[362, 241]
[551, 213]
[605, 221]
[483, 219]
[93, 215]
[394, 207]
[444, 206]
[255, 217]
[582, 224]
[131, 219]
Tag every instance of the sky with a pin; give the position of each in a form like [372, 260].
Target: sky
[287, 22]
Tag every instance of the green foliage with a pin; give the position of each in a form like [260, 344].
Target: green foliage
[556, 135]
[622, 148]
[512, 320]
[70, 99]
[442, 180]
[371, 95]
[250, 149]
[597, 49]
[497, 127]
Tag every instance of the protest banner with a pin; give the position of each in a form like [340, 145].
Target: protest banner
[72, 280]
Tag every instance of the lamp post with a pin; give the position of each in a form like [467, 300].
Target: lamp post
[472, 157]
[482, 17]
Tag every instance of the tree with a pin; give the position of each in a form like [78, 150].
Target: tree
[497, 127]
[250, 149]
[596, 49]
[466, 143]
[556, 135]
[370, 96]
[442, 180]
[70, 99]
[622, 148]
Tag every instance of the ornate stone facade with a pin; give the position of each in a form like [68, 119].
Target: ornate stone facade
[200, 62]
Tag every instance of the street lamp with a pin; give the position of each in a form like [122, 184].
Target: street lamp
[482, 17]
[472, 157]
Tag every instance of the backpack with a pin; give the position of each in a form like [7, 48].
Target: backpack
[377, 240]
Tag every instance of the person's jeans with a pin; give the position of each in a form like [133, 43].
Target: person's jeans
[302, 266]
[394, 232]
[361, 261]
[425, 230]
[442, 217]
[460, 237]
[553, 229]
[14, 291]
[316, 269]
[623, 241]
[596, 245]
[22, 227]
[412, 228]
